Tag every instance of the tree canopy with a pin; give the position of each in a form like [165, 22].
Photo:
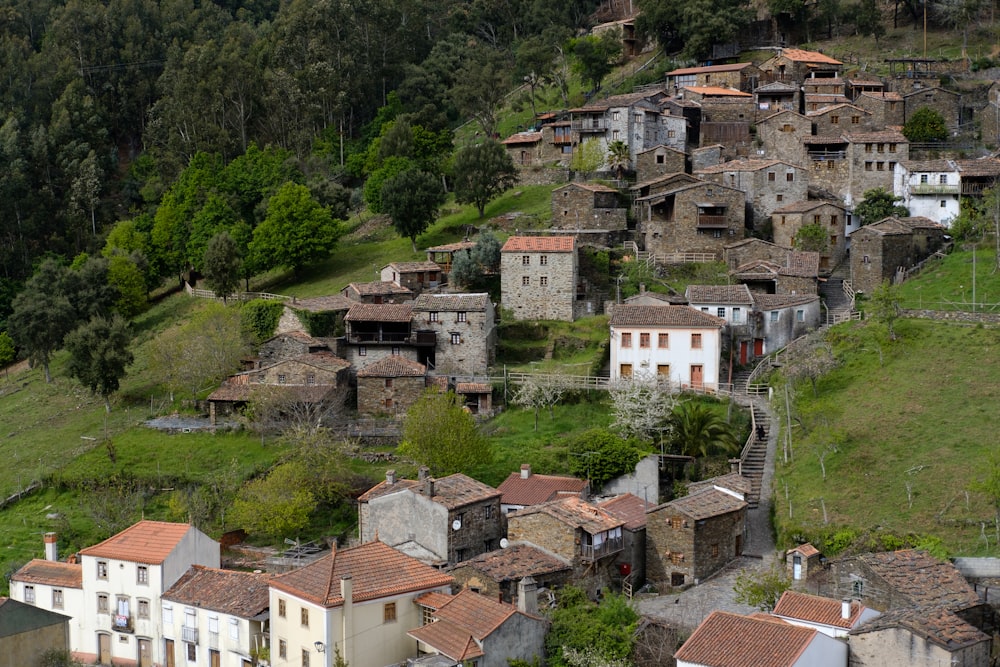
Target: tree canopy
[926, 124]
[440, 434]
[297, 230]
[482, 173]
[879, 204]
[99, 355]
[412, 200]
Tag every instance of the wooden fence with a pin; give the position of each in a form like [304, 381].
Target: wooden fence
[235, 296]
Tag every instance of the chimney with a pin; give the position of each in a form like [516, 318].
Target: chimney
[525, 470]
[429, 487]
[642, 288]
[845, 609]
[51, 548]
[390, 477]
[423, 473]
[527, 596]
[347, 616]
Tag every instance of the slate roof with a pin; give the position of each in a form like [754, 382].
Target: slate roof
[801, 55]
[384, 488]
[453, 247]
[886, 227]
[736, 294]
[514, 563]
[376, 570]
[816, 609]
[451, 302]
[709, 69]
[591, 187]
[778, 87]
[380, 312]
[729, 640]
[885, 136]
[732, 481]
[743, 165]
[240, 594]
[935, 624]
[929, 165]
[806, 205]
[458, 490]
[665, 179]
[629, 508]
[923, 579]
[540, 244]
[576, 513]
[985, 166]
[537, 488]
[380, 288]
[324, 360]
[889, 96]
[53, 573]
[705, 504]
[837, 107]
[143, 542]
[322, 304]
[393, 366]
[230, 391]
[18, 617]
[414, 267]
[627, 315]
[615, 101]
[767, 302]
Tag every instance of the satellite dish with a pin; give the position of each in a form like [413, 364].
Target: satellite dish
[504, 543]
[456, 524]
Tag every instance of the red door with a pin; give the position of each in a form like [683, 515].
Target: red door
[744, 348]
[697, 376]
[758, 347]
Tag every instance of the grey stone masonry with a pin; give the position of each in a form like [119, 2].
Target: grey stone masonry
[538, 277]
[465, 328]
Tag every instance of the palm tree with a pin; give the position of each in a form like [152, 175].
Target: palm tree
[618, 158]
[699, 432]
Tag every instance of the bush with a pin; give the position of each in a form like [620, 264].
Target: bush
[260, 318]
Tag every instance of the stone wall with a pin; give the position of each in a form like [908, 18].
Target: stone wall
[658, 162]
[372, 353]
[282, 347]
[901, 647]
[831, 175]
[677, 230]
[537, 175]
[832, 218]
[480, 529]
[944, 102]
[834, 122]
[782, 135]
[953, 316]
[669, 551]
[575, 207]
[375, 397]
[475, 349]
[537, 291]
[872, 167]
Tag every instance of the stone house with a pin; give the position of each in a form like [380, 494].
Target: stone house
[831, 169]
[525, 488]
[288, 345]
[768, 184]
[873, 157]
[377, 291]
[415, 276]
[444, 255]
[390, 386]
[978, 174]
[538, 277]
[673, 134]
[464, 328]
[739, 76]
[724, 639]
[813, 102]
[732, 303]
[698, 217]
[469, 628]
[883, 250]
[800, 562]
[672, 343]
[496, 574]
[341, 601]
[741, 252]
[795, 273]
[30, 633]
[787, 220]
[322, 316]
[586, 536]
[856, 86]
[558, 140]
[631, 560]
[703, 157]
[778, 320]
[945, 102]
[633, 119]
[580, 206]
[781, 136]
[797, 65]
[834, 618]
[693, 537]
[477, 397]
[659, 161]
[886, 108]
[438, 521]
[376, 331]
[524, 148]
[989, 118]
[918, 636]
[775, 97]
[929, 188]
[726, 116]
[824, 85]
[836, 119]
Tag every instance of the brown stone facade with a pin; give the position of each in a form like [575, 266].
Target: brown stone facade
[538, 277]
[698, 217]
[787, 221]
[659, 161]
[880, 250]
[886, 108]
[388, 395]
[945, 102]
[873, 157]
[464, 329]
[587, 206]
[840, 118]
[781, 136]
[768, 184]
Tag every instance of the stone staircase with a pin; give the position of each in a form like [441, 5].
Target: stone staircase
[838, 305]
[754, 462]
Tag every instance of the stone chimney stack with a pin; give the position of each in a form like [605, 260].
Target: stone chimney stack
[51, 547]
[527, 596]
[390, 477]
[423, 472]
[642, 288]
[845, 609]
[525, 470]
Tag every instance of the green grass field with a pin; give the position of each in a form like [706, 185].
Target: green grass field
[947, 284]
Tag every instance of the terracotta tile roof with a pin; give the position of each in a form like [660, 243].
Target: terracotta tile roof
[453, 247]
[393, 366]
[458, 490]
[709, 69]
[54, 573]
[705, 504]
[414, 267]
[775, 301]
[433, 599]
[322, 304]
[716, 91]
[451, 302]
[663, 316]
[736, 294]
[376, 570]
[241, 594]
[537, 489]
[629, 508]
[885, 136]
[733, 481]
[514, 563]
[540, 244]
[807, 550]
[923, 579]
[729, 640]
[144, 542]
[380, 312]
[473, 388]
[816, 609]
[576, 513]
[801, 55]
[380, 288]
[806, 205]
[523, 138]
[448, 639]
[591, 187]
[935, 624]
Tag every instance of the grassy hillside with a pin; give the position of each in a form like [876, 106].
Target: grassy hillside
[947, 284]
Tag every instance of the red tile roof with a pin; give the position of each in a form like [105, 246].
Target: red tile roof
[717, 91]
[540, 244]
[473, 388]
[393, 366]
[523, 138]
[816, 609]
[537, 489]
[54, 573]
[574, 512]
[479, 614]
[663, 316]
[514, 563]
[144, 542]
[376, 570]
[453, 247]
[448, 639]
[241, 594]
[629, 508]
[801, 55]
[807, 550]
[434, 599]
[729, 640]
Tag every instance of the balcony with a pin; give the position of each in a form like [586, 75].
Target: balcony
[934, 189]
[590, 553]
[827, 156]
[712, 222]
[122, 623]
[590, 125]
[419, 339]
[562, 139]
[189, 635]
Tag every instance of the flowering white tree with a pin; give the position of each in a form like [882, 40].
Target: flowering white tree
[641, 405]
[540, 391]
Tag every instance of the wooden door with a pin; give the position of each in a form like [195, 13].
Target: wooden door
[625, 370]
[758, 347]
[168, 653]
[104, 649]
[697, 375]
[213, 658]
[744, 349]
[145, 653]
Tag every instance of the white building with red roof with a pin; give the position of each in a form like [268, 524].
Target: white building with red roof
[538, 277]
[360, 602]
[50, 584]
[834, 618]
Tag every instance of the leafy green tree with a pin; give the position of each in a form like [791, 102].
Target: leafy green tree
[8, 351]
[487, 251]
[925, 125]
[129, 281]
[607, 628]
[587, 157]
[42, 315]
[440, 434]
[260, 318]
[482, 173]
[699, 431]
[99, 355]
[534, 59]
[391, 167]
[600, 456]
[619, 160]
[879, 204]
[412, 200]
[812, 238]
[277, 505]
[480, 87]
[465, 270]
[693, 25]
[761, 589]
[296, 231]
[222, 265]
[594, 57]
[884, 306]
[868, 19]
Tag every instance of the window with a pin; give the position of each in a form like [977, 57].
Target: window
[543, 281]
[892, 106]
[737, 316]
[638, 117]
[880, 166]
[815, 219]
[168, 615]
[102, 603]
[29, 594]
[855, 120]
[704, 309]
[102, 569]
[834, 120]
[626, 339]
[432, 317]
[892, 148]
[616, 135]
[858, 588]
[670, 135]
[780, 197]
[462, 317]
[866, 260]
[456, 339]
[675, 522]
[543, 260]
[831, 164]
[834, 220]
[695, 341]
[305, 657]
[389, 612]
[868, 166]
[57, 598]
[715, 551]
[142, 608]
[770, 176]
[213, 628]
[362, 351]
[800, 316]
[281, 608]
[944, 203]
[616, 115]
[142, 571]
[281, 378]
[868, 148]
[943, 179]
[282, 648]
[388, 383]
[774, 316]
[663, 341]
[192, 651]
[923, 178]
[663, 370]
[310, 378]
[387, 403]
[395, 350]
[660, 159]
[892, 166]
[525, 260]
[234, 629]
[644, 340]
[304, 617]
[625, 370]
[790, 176]
[461, 555]
[721, 312]
[525, 281]
[676, 557]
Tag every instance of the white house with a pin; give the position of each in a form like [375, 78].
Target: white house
[124, 578]
[52, 585]
[834, 618]
[358, 601]
[929, 188]
[730, 302]
[675, 342]
[216, 618]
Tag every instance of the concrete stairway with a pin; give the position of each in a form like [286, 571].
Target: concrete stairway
[832, 293]
[755, 461]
